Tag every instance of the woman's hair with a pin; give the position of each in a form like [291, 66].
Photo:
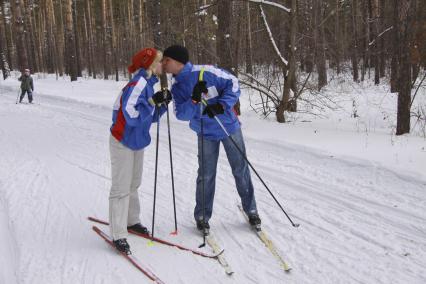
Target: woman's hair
[151, 68]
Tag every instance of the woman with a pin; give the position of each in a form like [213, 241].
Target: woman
[133, 113]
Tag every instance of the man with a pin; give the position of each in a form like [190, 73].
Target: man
[27, 86]
[221, 91]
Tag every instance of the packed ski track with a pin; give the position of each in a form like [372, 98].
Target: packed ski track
[359, 221]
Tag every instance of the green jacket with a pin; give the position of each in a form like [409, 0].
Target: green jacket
[26, 83]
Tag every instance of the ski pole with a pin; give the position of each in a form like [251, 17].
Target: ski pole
[157, 109]
[200, 78]
[164, 85]
[245, 158]
[17, 98]
[202, 174]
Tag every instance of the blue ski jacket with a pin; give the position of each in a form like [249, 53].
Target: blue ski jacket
[133, 113]
[222, 88]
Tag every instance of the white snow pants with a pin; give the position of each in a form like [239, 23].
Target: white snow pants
[126, 173]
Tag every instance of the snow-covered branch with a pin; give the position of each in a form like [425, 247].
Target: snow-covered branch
[374, 40]
[283, 60]
[271, 4]
[205, 7]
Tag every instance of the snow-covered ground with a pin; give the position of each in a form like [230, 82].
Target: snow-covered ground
[358, 191]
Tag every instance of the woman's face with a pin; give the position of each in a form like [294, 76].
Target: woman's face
[158, 70]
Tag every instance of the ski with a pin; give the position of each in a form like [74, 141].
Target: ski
[216, 254]
[211, 242]
[129, 257]
[268, 243]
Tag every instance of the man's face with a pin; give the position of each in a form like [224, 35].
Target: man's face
[27, 73]
[171, 66]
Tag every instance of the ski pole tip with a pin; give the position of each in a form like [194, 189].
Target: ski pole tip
[174, 233]
[296, 225]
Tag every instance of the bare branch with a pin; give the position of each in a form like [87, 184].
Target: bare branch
[271, 4]
[271, 38]
[303, 87]
[259, 84]
[418, 87]
[251, 85]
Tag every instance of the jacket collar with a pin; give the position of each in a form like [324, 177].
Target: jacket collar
[151, 80]
[184, 72]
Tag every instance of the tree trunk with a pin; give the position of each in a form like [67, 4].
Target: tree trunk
[20, 35]
[289, 80]
[320, 42]
[4, 65]
[223, 35]
[7, 35]
[310, 39]
[354, 53]
[382, 55]
[198, 56]
[406, 9]
[141, 20]
[38, 16]
[51, 62]
[366, 62]
[106, 42]
[395, 50]
[337, 36]
[76, 38]
[155, 6]
[60, 46]
[113, 37]
[29, 38]
[249, 56]
[70, 54]
[376, 48]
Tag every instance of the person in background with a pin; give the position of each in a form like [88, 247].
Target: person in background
[27, 86]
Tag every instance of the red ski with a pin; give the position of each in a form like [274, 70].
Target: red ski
[164, 242]
[129, 257]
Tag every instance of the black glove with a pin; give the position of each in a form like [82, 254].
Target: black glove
[159, 98]
[214, 109]
[199, 88]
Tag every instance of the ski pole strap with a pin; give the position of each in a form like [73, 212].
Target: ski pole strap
[201, 76]
[204, 102]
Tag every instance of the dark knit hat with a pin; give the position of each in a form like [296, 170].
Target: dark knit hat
[178, 53]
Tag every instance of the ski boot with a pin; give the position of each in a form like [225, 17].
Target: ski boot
[138, 228]
[122, 246]
[203, 227]
[255, 221]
